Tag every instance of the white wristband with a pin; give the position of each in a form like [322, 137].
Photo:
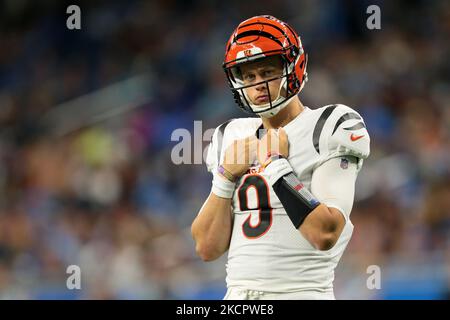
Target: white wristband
[222, 187]
[276, 169]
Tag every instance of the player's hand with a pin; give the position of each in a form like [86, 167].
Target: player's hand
[240, 155]
[275, 141]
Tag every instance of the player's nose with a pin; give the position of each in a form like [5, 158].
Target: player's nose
[262, 85]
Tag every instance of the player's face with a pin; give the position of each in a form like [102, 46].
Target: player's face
[258, 71]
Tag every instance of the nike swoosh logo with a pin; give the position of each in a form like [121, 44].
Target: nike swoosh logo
[354, 138]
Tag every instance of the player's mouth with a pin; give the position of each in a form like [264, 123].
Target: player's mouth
[264, 98]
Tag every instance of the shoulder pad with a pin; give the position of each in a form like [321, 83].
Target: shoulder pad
[349, 134]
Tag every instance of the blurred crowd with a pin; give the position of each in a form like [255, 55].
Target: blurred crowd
[106, 196]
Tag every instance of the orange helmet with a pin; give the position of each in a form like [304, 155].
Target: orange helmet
[257, 38]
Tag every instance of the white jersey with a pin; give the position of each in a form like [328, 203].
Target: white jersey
[266, 252]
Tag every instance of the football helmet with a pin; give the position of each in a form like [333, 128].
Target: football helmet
[257, 38]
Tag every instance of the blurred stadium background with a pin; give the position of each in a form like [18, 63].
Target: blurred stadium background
[86, 119]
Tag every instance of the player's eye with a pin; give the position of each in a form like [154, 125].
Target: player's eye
[268, 72]
[249, 77]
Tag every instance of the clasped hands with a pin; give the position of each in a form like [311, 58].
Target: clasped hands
[242, 153]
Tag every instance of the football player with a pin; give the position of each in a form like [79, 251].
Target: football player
[283, 182]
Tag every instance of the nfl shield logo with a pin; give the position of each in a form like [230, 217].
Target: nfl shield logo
[344, 163]
[248, 53]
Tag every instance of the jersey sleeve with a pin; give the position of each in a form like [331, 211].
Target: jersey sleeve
[211, 155]
[333, 183]
[345, 135]
[215, 148]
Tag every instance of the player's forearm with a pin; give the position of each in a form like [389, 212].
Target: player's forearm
[211, 228]
[322, 227]
[318, 224]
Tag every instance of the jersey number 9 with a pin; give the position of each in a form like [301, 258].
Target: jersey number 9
[265, 211]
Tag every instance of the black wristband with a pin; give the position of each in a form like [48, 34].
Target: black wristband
[296, 199]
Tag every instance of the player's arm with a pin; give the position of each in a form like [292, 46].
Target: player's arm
[212, 227]
[320, 222]
[323, 227]
[320, 215]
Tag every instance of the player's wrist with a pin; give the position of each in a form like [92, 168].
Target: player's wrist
[221, 185]
[227, 174]
[277, 168]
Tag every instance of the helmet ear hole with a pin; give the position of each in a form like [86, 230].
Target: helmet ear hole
[294, 52]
